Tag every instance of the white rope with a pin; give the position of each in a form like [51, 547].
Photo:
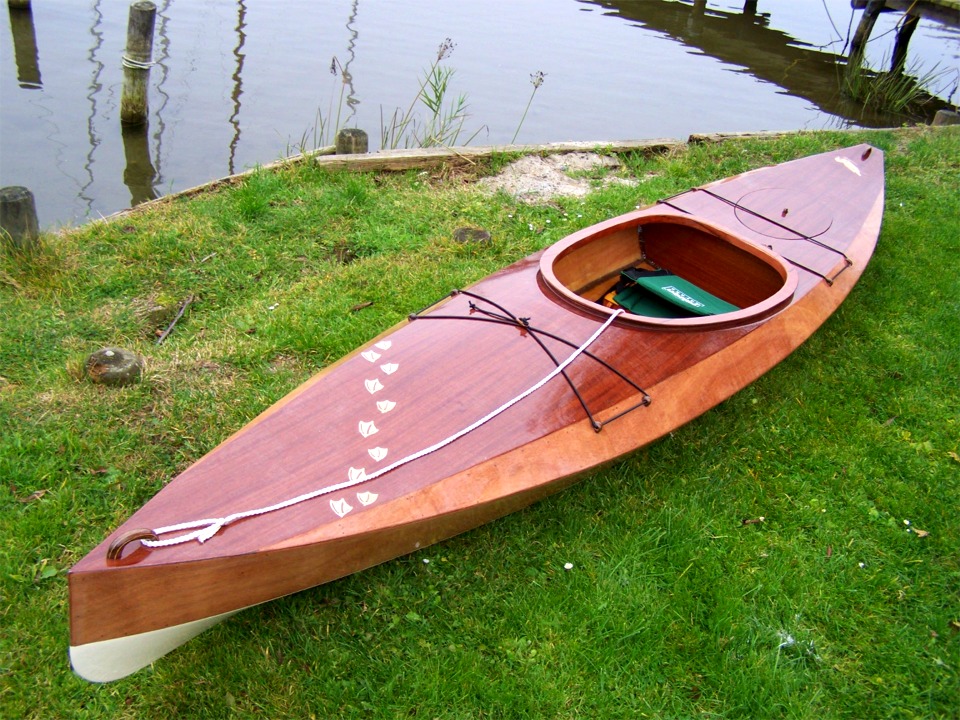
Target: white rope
[129, 62]
[203, 530]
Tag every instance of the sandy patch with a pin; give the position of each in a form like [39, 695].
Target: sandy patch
[536, 179]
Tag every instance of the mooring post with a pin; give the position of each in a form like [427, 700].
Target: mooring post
[18, 4]
[137, 62]
[870, 14]
[350, 141]
[19, 229]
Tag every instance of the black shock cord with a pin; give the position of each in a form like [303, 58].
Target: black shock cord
[523, 323]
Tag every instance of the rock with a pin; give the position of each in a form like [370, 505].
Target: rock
[471, 235]
[946, 117]
[114, 366]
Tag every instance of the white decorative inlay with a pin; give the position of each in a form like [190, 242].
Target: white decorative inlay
[356, 474]
[370, 355]
[383, 345]
[366, 498]
[340, 506]
[848, 165]
[377, 453]
[372, 385]
[367, 428]
[389, 368]
[385, 406]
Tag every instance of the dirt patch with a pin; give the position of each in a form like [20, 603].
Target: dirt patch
[536, 179]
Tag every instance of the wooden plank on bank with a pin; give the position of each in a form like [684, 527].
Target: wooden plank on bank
[426, 158]
[432, 158]
[417, 159]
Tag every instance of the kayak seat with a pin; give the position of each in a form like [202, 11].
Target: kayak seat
[661, 294]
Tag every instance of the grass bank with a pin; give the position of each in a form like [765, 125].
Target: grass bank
[843, 602]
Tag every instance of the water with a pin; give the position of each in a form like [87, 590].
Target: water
[241, 83]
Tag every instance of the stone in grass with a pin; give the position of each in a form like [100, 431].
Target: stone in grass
[114, 366]
[471, 235]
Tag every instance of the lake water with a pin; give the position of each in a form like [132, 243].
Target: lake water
[241, 83]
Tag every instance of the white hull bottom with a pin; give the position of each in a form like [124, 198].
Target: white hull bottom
[113, 659]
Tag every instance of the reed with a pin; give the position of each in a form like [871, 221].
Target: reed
[444, 121]
[432, 118]
[536, 79]
[907, 93]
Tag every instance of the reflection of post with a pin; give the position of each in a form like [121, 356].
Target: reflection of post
[696, 17]
[24, 44]
[136, 62]
[904, 33]
[139, 174]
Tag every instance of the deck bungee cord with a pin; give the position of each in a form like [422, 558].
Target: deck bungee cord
[523, 323]
[738, 206]
[203, 530]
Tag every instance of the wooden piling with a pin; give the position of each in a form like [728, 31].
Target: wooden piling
[857, 46]
[137, 61]
[351, 141]
[19, 229]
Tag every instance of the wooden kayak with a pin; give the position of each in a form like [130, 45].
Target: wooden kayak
[486, 402]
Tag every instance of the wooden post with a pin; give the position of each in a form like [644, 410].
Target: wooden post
[870, 14]
[25, 4]
[351, 141]
[19, 229]
[137, 61]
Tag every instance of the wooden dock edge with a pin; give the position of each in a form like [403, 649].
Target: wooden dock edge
[431, 158]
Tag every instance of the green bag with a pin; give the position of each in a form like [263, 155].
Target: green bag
[660, 293]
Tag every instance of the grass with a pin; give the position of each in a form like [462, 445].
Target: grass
[832, 607]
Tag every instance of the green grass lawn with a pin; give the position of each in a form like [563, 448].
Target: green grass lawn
[843, 602]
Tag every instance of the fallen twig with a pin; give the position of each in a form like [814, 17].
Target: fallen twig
[183, 308]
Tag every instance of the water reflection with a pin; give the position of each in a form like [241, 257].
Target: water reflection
[139, 175]
[745, 39]
[94, 89]
[353, 33]
[25, 47]
[235, 83]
